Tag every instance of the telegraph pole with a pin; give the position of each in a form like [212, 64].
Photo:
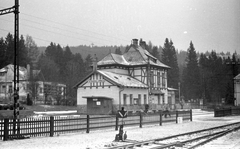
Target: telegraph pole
[15, 9]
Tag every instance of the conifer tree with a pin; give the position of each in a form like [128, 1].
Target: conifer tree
[169, 58]
[118, 51]
[191, 75]
[31, 49]
[155, 52]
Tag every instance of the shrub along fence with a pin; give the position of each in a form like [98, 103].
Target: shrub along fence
[227, 111]
[54, 125]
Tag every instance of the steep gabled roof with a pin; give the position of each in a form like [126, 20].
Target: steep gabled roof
[117, 79]
[135, 56]
[23, 73]
[113, 59]
[9, 69]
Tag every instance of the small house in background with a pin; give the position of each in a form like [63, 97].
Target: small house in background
[134, 80]
[40, 91]
[237, 90]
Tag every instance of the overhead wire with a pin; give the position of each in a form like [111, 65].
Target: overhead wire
[67, 30]
[32, 37]
[56, 32]
[74, 27]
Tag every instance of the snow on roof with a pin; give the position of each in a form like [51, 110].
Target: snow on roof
[123, 80]
[23, 73]
[113, 59]
[237, 77]
[119, 59]
[172, 89]
[10, 70]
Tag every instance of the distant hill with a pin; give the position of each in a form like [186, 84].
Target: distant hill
[85, 50]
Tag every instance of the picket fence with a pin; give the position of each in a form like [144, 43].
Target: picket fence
[55, 125]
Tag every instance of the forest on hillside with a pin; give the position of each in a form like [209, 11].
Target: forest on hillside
[206, 76]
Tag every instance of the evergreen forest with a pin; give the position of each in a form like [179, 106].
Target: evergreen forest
[208, 76]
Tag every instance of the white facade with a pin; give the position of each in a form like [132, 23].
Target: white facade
[237, 90]
[132, 80]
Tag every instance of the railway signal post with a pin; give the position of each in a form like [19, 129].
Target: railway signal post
[121, 137]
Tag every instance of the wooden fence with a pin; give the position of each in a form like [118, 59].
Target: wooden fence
[54, 125]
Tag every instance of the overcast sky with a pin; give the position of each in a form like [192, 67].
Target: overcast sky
[209, 24]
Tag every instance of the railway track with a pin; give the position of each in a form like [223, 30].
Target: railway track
[188, 140]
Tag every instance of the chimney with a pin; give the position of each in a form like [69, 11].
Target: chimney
[135, 42]
[94, 62]
[143, 44]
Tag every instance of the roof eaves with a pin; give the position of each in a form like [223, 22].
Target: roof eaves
[80, 82]
[109, 79]
[113, 58]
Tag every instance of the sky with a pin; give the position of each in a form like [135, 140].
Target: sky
[209, 24]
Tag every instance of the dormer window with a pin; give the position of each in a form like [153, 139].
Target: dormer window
[151, 58]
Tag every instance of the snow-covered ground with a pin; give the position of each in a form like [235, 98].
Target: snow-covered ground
[102, 138]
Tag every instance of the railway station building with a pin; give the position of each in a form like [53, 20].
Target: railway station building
[133, 80]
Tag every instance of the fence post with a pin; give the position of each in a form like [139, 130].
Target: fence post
[116, 126]
[176, 116]
[51, 126]
[160, 123]
[6, 126]
[190, 114]
[140, 125]
[87, 124]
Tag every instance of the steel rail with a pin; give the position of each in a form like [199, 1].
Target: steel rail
[214, 137]
[178, 143]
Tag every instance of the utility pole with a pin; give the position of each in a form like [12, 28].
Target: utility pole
[15, 9]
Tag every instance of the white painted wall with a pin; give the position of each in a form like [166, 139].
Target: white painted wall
[112, 92]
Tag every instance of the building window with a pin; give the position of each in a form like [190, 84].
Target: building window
[135, 101]
[139, 99]
[41, 90]
[163, 97]
[151, 78]
[2, 73]
[158, 78]
[98, 103]
[124, 99]
[164, 79]
[10, 89]
[145, 99]
[131, 99]
[159, 99]
[3, 89]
